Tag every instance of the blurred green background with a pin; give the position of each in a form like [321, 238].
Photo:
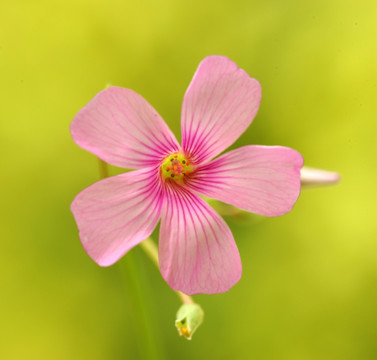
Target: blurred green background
[308, 289]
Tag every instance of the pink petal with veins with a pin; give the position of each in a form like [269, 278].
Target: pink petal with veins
[197, 251]
[120, 127]
[261, 179]
[115, 214]
[220, 103]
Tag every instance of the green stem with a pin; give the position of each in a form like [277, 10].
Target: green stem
[147, 245]
[151, 250]
[149, 345]
[149, 348]
[103, 169]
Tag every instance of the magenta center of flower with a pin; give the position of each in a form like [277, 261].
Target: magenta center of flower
[176, 167]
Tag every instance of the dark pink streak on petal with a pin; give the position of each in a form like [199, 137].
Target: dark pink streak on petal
[261, 179]
[115, 214]
[123, 129]
[220, 103]
[197, 251]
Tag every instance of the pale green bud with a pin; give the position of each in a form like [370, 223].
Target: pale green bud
[189, 318]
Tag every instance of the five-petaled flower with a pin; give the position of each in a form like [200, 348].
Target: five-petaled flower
[197, 252]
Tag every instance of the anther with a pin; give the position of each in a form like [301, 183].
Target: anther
[176, 167]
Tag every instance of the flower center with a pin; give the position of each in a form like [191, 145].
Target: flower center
[176, 167]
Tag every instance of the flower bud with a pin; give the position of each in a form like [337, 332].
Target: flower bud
[189, 318]
[311, 176]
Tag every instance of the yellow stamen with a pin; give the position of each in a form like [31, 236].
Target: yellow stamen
[175, 166]
[185, 332]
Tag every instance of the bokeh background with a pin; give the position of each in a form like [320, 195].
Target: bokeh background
[308, 289]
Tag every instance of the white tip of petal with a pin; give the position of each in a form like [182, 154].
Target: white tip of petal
[310, 176]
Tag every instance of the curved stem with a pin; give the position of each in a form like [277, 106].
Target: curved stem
[148, 342]
[148, 346]
[103, 169]
[151, 250]
[147, 245]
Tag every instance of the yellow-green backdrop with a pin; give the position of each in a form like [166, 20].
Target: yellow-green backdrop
[308, 289]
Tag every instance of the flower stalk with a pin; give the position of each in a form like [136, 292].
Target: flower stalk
[147, 245]
[189, 311]
[151, 250]
[103, 169]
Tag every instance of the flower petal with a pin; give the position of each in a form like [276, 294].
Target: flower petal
[261, 179]
[122, 128]
[117, 213]
[197, 251]
[220, 103]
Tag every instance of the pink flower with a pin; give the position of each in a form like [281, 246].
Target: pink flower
[197, 252]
